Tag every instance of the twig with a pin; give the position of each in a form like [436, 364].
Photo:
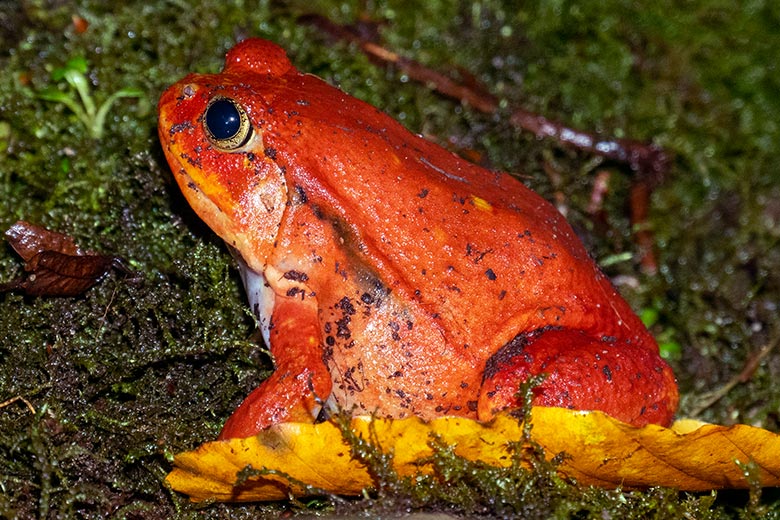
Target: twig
[710, 398]
[12, 400]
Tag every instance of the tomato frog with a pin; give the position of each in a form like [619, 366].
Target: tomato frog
[388, 275]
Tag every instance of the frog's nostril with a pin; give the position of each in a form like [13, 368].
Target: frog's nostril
[227, 124]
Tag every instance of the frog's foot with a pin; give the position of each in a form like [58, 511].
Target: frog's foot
[296, 390]
[286, 396]
[629, 382]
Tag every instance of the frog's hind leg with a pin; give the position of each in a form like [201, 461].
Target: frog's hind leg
[624, 379]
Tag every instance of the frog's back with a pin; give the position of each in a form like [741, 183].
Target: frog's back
[496, 255]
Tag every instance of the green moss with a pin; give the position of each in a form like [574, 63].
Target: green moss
[146, 365]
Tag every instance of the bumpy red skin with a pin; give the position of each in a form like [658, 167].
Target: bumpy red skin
[400, 279]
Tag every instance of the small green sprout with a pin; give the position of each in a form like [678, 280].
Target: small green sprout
[75, 74]
[669, 349]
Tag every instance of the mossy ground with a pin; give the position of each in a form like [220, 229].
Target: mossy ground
[142, 367]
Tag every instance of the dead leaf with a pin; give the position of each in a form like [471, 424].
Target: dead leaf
[55, 265]
[601, 451]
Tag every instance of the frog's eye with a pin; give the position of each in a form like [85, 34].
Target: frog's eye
[227, 125]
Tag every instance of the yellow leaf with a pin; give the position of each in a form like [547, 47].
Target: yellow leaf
[295, 459]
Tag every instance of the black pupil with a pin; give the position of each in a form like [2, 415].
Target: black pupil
[223, 119]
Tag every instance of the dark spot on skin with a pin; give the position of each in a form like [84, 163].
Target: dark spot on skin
[294, 291]
[457, 407]
[642, 410]
[515, 347]
[395, 327]
[409, 325]
[317, 211]
[296, 276]
[472, 406]
[341, 272]
[608, 339]
[439, 409]
[270, 153]
[429, 397]
[330, 341]
[342, 328]
[400, 393]
[250, 156]
[607, 372]
[490, 274]
[478, 255]
[397, 373]
[300, 195]
[423, 193]
[366, 298]
[180, 127]
[349, 378]
[501, 295]
[195, 162]
[342, 325]
[345, 305]
[464, 384]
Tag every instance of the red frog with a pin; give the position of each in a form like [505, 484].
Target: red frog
[389, 275]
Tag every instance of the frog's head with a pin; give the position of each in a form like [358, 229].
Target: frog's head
[211, 130]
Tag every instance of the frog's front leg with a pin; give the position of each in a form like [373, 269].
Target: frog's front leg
[626, 379]
[300, 382]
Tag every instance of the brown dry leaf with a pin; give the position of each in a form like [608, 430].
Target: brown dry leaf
[55, 265]
[283, 460]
